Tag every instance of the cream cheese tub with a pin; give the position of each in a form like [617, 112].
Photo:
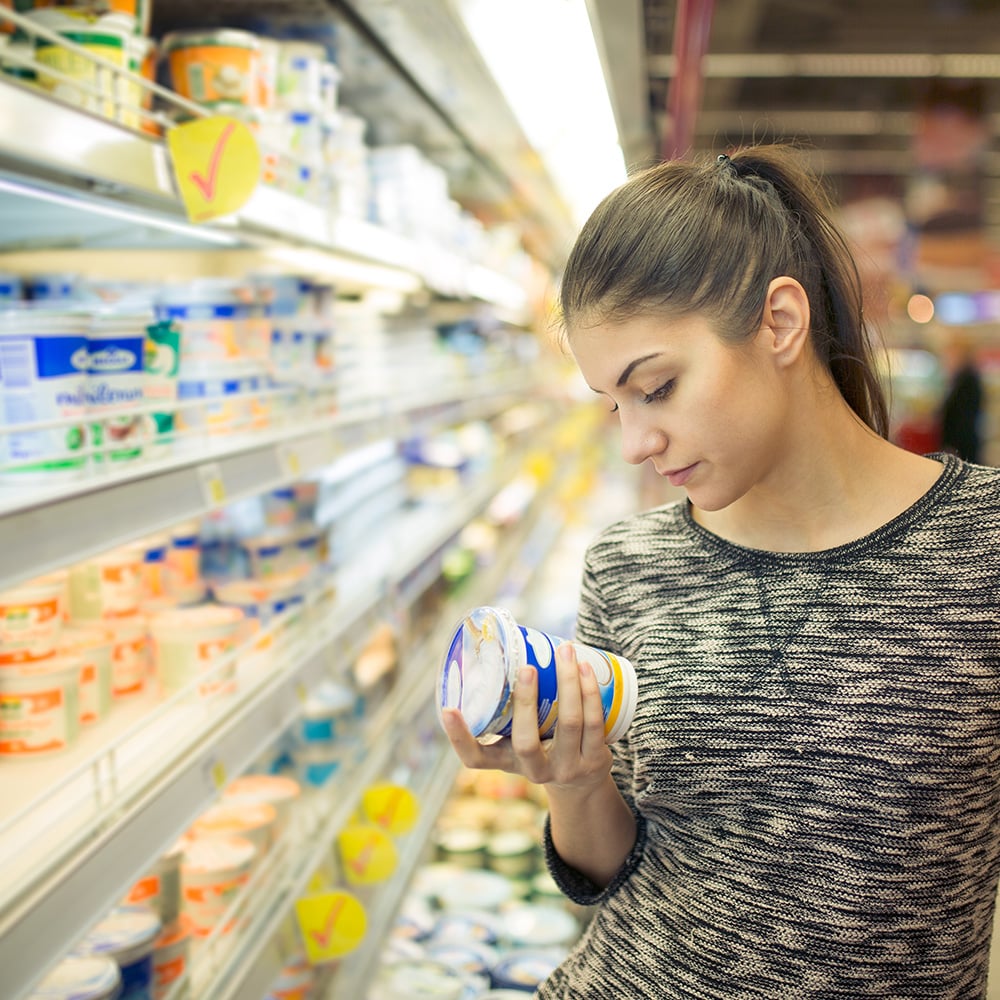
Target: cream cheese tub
[171, 954]
[129, 655]
[75, 978]
[488, 648]
[31, 620]
[127, 935]
[43, 357]
[108, 586]
[253, 820]
[39, 707]
[276, 790]
[94, 648]
[160, 887]
[213, 871]
[189, 642]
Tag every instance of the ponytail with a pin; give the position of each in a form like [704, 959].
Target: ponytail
[685, 237]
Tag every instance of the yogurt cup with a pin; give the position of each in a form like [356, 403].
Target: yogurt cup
[296, 981]
[300, 75]
[213, 871]
[43, 357]
[127, 935]
[188, 643]
[223, 398]
[421, 979]
[212, 66]
[160, 887]
[263, 598]
[208, 315]
[109, 586]
[539, 925]
[276, 790]
[184, 554]
[93, 647]
[488, 648]
[77, 978]
[116, 383]
[129, 655]
[31, 620]
[161, 360]
[39, 707]
[524, 969]
[171, 954]
[253, 820]
[328, 712]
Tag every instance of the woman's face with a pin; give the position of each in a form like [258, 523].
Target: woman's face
[707, 414]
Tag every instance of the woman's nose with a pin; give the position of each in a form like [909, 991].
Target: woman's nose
[640, 439]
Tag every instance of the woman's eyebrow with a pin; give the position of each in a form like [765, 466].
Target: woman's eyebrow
[631, 366]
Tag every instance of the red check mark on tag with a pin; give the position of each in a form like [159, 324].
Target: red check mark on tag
[207, 184]
[322, 937]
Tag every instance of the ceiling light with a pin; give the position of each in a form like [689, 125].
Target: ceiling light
[544, 58]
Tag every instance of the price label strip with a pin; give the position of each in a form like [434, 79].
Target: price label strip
[391, 807]
[216, 165]
[331, 925]
[367, 853]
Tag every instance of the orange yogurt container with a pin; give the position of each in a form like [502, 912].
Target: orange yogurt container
[39, 707]
[215, 66]
[31, 620]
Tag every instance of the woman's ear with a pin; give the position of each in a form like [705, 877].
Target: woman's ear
[785, 321]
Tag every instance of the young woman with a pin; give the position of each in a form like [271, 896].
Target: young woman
[807, 802]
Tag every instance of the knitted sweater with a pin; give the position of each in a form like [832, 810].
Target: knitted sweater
[813, 762]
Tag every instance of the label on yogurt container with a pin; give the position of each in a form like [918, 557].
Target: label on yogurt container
[115, 389]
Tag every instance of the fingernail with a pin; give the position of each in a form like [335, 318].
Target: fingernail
[525, 675]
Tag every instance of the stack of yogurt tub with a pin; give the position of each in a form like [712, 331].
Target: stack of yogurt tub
[118, 35]
[484, 920]
[223, 381]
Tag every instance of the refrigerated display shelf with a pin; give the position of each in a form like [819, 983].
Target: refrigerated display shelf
[132, 819]
[100, 168]
[43, 529]
[248, 971]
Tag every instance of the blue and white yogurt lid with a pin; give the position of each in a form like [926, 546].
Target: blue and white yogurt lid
[78, 978]
[127, 934]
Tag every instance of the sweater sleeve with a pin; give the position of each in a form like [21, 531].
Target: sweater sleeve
[593, 630]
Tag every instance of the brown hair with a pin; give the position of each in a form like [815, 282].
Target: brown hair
[707, 237]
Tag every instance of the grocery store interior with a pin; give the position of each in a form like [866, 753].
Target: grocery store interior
[282, 398]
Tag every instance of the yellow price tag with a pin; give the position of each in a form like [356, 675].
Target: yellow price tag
[391, 807]
[213, 487]
[331, 924]
[216, 165]
[219, 775]
[367, 853]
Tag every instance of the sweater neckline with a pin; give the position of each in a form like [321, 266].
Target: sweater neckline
[953, 470]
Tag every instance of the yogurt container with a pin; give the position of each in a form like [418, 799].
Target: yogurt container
[421, 979]
[127, 935]
[213, 871]
[161, 361]
[31, 620]
[300, 75]
[129, 655]
[184, 554]
[160, 887]
[208, 315]
[90, 85]
[539, 925]
[296, 981]
[116, 383]
[93, 647]
[108, 586]
[524, 969]
[263, 598]
[488, 648]
[189, 642]
[222, 399]
[253, 820]
[39, 707]
[43, 374]
[212, 66]
[171, 954]
[276, 790]
[328, 712]
[77, 978]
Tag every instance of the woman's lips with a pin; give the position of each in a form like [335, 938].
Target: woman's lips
[680, 476]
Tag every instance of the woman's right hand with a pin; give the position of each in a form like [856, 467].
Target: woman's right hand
[575, 759]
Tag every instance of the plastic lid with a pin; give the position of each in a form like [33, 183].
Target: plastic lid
[127, 935]
[79, 978]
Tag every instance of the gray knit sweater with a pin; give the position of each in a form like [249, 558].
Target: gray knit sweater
[813, 763]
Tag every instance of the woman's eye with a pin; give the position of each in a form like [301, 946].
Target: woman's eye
[664, 390]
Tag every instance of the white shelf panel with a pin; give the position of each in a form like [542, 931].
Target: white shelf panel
[111, 169]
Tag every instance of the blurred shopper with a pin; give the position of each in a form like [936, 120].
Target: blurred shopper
[961, 410]
[807, 802]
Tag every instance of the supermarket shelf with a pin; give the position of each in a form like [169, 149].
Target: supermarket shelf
[250, 970]
[45, 529]
[95, 167]
[92, 875]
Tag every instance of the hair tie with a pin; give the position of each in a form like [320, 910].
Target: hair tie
[722, 158]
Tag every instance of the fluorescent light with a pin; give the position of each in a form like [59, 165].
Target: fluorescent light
[544, 58]
[124, 213]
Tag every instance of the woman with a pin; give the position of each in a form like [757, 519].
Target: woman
[806, 804]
